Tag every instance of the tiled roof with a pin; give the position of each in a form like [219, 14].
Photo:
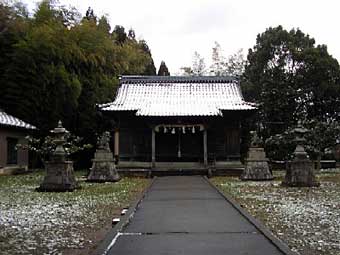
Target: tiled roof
[9, 120]
[178, 96]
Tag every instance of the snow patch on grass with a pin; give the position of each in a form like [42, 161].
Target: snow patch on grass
[308, 219]
[50, 222]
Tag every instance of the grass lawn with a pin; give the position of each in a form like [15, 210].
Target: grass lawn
[59, 223]
[307, 219]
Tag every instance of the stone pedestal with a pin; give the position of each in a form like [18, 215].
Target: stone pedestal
[300, 173]
[59, 177]
[256, 168]
[103, 167]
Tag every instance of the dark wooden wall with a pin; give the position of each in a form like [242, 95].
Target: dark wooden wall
[167, 146]
[22, 155]
[135, 139]
[135, 144]
[224, 143]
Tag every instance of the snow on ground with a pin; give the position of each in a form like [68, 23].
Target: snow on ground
[46, 223]
[307, 219]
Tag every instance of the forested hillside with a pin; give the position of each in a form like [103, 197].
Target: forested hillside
[58, 64]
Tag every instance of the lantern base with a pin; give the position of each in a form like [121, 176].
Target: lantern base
[59, 177]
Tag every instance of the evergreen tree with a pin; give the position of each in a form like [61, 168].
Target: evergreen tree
[163, 70]
[291, 79]
[104, 25]
[120, 34]
[90, 15]
[40, 84]
[150, 68]
[58, 66]
[132, 34]
[14, 23]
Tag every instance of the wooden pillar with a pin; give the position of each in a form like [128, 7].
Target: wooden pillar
[153, 148]
[116, 145]
[205, 147]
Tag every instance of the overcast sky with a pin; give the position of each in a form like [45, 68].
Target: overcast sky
[175, 29]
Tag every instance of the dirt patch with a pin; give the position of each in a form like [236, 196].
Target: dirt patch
[95, 237]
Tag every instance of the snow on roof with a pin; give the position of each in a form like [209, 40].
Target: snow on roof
[178, 96]
[9, 120]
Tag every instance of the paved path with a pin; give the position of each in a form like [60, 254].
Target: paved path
[185, 215]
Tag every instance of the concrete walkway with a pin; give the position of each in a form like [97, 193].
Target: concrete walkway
[186, 215]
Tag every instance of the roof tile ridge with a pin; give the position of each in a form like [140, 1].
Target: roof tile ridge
[139, 79]
[15, 121]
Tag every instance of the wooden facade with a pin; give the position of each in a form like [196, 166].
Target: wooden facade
[12, 132]
[151, 140]
[9, 156]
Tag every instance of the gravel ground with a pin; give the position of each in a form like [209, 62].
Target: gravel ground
[47, 223]
[307, 219]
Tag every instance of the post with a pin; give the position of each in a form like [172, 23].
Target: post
[116, 145]
[205, 149]
[153, 148]
[179, 153]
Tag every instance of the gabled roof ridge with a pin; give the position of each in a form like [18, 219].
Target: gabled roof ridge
[9, 120]
[138, 79]
[178, 96]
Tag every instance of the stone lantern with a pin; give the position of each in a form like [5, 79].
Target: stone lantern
[300, 171]
[59, 172]
[59, 139]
